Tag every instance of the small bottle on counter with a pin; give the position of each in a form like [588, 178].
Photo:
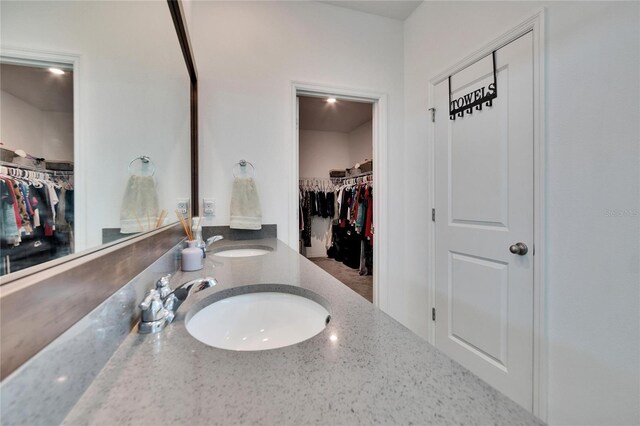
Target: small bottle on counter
[192, 257]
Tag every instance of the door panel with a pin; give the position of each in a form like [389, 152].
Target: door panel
[484, 204]
[479, 163]
[478, 305]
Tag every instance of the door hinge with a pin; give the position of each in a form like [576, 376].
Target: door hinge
[433, 215]
[433, 114]
[433, 314]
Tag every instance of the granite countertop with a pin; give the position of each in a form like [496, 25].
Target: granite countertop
[376, 371]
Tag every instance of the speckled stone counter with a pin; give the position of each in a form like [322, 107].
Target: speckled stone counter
[375, 372]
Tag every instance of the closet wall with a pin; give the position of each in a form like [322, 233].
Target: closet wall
[47, 134]
[361, 143]
[321, 151]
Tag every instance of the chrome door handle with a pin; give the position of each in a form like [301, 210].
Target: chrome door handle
[519, 248]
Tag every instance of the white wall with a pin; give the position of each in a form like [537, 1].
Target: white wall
[133, 97]
[248, 54]
[592, 193]
[361, 143]
[46, 134]
[321, 151]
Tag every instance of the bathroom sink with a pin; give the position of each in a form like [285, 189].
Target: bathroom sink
[257, 321]
[242, 251]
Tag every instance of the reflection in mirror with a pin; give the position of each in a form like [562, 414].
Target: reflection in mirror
[37, 204]
[96, 149]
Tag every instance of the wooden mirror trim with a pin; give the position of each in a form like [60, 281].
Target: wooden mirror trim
[37, 308]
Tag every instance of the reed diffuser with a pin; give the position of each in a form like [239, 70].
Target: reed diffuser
[192, 258]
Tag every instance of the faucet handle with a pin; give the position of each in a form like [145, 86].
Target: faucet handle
[162, 285]
[151, 307]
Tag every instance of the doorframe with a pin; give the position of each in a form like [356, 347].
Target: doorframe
[380, 168]
[536, 24]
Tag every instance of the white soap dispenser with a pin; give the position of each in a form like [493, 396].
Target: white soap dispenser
[192, 259]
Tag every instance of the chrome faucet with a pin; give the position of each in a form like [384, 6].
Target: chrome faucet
[205, 245]
[158, 308]
[212, 240]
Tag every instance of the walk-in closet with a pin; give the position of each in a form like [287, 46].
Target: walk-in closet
[36, 169]
[337, 188]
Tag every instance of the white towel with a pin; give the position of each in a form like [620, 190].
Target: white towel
[139, 210]
[245, 205]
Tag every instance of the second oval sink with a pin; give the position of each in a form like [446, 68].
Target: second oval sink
[258, 321]
[242, 251]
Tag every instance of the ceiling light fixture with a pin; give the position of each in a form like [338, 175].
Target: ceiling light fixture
[331, 100]
[56, 71]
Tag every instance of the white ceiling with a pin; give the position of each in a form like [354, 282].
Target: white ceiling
[342, 116]
[38, 87]
[395, 9]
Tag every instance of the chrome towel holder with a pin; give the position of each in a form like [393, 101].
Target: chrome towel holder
[242, 169]
[146, 161]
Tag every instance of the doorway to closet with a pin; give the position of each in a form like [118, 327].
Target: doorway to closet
[336, 188]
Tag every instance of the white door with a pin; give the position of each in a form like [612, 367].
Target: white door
[484, 205]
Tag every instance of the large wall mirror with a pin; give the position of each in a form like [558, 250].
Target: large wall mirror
[94, 124]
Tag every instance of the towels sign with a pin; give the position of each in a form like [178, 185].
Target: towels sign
[484, 95]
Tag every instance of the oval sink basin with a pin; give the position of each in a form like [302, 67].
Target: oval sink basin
[258, 321]
[242, 252]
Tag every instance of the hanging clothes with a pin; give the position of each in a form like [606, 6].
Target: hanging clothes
[8, 226]
[352, 232]
[317, 199]
[30, 212]
[306, 208]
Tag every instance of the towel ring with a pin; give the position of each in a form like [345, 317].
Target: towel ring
[242, 169]
[146, 163]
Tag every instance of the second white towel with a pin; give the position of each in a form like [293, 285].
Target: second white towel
[245, 205]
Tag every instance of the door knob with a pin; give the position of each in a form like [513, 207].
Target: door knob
[519, 248]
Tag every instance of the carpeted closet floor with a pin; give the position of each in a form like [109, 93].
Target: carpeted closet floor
[361, 284]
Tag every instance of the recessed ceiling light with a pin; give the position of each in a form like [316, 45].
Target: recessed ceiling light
[56, 71]
[331, 100]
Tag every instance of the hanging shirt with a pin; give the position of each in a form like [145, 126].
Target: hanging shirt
[8, 226]
[368, 227]
[53, 201]
[22, 208]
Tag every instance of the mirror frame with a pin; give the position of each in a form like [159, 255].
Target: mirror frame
[177, 13]
[67, 289]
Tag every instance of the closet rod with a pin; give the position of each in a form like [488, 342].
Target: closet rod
[34, 169]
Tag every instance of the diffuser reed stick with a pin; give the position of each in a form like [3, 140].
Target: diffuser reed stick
[184, 225]
[160, 221]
